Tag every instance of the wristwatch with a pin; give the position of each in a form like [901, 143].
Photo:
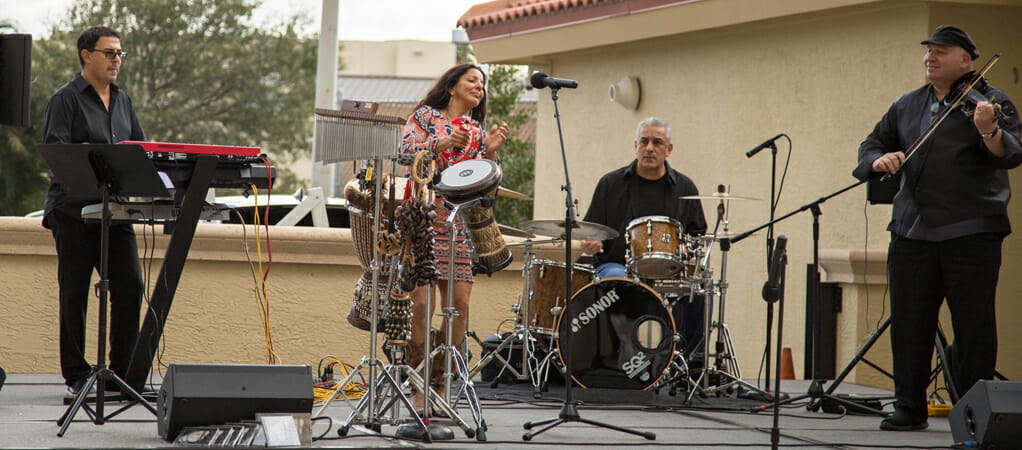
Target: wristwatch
[990, 135]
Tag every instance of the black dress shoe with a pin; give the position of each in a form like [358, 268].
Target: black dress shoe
[902, 420]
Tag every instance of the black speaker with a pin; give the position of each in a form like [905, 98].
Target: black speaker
[990, 415]
[211, 394]
[15, 79]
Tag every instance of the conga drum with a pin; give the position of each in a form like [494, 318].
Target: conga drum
[471, 180]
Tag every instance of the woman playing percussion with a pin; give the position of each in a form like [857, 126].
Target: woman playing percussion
[448, 124]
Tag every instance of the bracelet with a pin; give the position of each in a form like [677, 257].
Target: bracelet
[990, 135]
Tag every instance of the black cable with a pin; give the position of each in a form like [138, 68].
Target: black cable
[330, 425]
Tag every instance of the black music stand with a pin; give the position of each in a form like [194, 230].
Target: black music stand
[90, 171]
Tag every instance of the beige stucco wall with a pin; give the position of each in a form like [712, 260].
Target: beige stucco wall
[214, 317]
[823, 78]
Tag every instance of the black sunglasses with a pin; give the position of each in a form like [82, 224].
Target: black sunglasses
[111, 54]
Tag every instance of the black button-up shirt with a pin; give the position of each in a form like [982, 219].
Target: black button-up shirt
[616, 203]
[76, 115]
[952, 186]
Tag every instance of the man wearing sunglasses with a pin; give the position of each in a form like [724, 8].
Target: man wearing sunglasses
[92, 109]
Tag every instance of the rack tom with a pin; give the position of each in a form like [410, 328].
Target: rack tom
[655, 247]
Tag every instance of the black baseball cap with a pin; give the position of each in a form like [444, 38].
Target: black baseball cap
[954, 37]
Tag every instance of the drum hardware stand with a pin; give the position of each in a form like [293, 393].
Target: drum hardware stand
[453, 359]
[725, 363]
[535, 371]
[568, 413]
[356, 132]
[368, 402]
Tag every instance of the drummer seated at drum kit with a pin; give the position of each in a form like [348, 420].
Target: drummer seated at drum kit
[642, 202]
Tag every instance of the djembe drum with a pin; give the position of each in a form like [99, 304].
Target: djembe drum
[471, 180]
[361, 203]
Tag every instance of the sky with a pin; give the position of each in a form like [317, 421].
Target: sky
[369, 20]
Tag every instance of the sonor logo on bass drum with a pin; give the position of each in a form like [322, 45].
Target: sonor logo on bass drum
[465, 173]
[593, 311]
[636, 366]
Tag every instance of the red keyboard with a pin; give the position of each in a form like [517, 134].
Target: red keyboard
[169, 150]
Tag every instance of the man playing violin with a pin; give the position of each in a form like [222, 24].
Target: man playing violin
[647, 187]
[948, 221]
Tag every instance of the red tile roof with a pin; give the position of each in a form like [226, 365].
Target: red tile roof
[498, 11]
[550, 13]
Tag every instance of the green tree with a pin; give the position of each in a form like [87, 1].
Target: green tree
[197, 71]
[517, 156]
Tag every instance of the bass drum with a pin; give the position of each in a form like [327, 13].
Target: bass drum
[618, 333]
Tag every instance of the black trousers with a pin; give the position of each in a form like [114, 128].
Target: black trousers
[922, 275]
[78, 253]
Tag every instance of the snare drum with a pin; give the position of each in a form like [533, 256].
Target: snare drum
[544, 291]
[620, 333]
[478, 179]
[654, 247]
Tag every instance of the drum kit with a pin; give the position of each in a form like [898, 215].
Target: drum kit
[623, 330]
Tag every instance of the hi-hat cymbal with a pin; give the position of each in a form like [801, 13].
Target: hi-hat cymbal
[505, 192]
[718, 196]
[512, 231]
[719, 236]
[586, 231]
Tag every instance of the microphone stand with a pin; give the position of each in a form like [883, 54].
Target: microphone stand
[771, 295]
[568, 411]
[769, 255]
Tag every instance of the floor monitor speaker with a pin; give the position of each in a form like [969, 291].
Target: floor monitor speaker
[211, 394]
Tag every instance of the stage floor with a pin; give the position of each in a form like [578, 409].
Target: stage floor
[31, 403]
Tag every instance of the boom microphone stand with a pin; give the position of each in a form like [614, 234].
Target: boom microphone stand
[770, 233]
[812, 297]
[813, 293]
[568, 412]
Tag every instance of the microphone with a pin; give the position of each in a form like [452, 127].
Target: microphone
[765, 144]
[772, 288]
[540, 80]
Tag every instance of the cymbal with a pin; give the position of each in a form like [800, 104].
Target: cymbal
[512, 231]
[718, 196]
[505, 192]
[586, 231]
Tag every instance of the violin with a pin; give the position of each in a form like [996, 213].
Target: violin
[973, 97]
